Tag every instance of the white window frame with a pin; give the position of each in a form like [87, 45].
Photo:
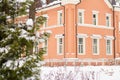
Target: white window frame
[60, 19]
[96, 19]
[83, 36]
[82, 16]
[58, 37]
[79, 45]
[108, 22]
[46, 22]
[111, 38]
[109, 46]
[45, 47]
[97, 46]
[98, 37]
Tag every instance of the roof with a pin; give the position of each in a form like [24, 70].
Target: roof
[113, 2]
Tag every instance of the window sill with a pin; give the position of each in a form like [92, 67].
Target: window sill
[109, 54]
[81, 53]
[96, 54]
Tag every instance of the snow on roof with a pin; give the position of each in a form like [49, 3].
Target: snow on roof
[44, 3]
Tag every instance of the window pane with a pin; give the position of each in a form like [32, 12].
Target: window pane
[80, 40]
[60, 41]
[60, 48]
[80, 16]
[59, 18]
[107, 21]
[80, 45]
[94, 19]
[95, 42]
[60, 45]
[95, 46]
[45, 24]
[46, 45]
[94, 16]
[108, 46]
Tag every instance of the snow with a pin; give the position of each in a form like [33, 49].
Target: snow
[3, 50]
[29, 22]
[24, 34]
[52, 3]
[80, 73]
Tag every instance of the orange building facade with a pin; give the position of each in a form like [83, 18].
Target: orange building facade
[81, 29]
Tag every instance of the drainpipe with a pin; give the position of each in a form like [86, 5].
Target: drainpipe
[76, 26]
[64, 30]
[114, 32]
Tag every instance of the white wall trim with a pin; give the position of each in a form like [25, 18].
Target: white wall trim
[108, 3]
[48, 8]
[79, 35]
[95, 26]
[59, 36]
[51, 27]
[117, 9]
[45, 15]
[96, 36]
[81, 10]
[109, 37]
[95, 12]
[64, 2]
[108, 14]
[60, 11]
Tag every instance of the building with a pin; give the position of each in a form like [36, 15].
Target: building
[81, 29]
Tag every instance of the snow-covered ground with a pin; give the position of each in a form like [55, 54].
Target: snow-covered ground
[81, 73]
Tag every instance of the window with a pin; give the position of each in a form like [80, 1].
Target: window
[95, 18]
[46, 22]
[81, 45]
[45, 46]
[36, 47]
[60, 45]
[95, 46]
[108, 46]
[60, 17]
[109, 43]
[108, 20]
[80, 16]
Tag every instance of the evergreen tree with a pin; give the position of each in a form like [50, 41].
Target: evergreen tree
[16, 43]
